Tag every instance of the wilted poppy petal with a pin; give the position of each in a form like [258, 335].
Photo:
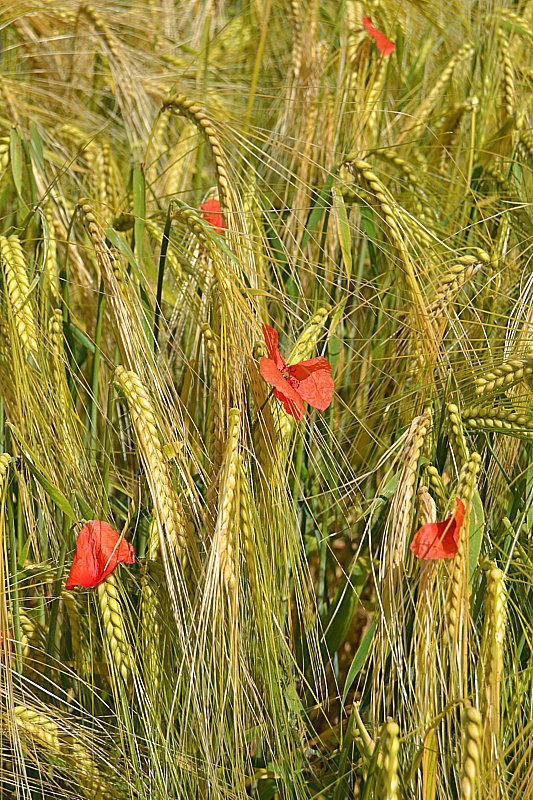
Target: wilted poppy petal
[385, 46]
[439, 539]
[212, 213]
[271, 341]
[315, 382]
[99, 549]
[283, 391]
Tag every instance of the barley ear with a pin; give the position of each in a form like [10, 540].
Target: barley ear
[13, 262]
[172, 524]
[119, 652]
[472, 733]
[225, 536]
[387, 782]
[492, 659]
[458, 593]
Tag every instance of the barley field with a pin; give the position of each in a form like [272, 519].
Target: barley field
[266, 419]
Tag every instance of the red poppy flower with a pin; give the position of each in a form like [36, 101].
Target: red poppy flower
[6, 640]
[99, 549]
[211, 212]
[308, 380]
[385, 46]
[439, 539]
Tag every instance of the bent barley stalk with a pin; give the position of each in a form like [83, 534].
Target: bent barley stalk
[180, 104]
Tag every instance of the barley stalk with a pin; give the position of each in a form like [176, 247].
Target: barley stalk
[172, 257]
[264, 431]
[18, 292]
[472, 732]
[113, 622]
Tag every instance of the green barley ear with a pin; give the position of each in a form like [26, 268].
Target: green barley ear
[304, 348]
[436, 486]
[458, 593]
[4, 153]
[217, 409]
[174, 532]
[492, 660]
[180, 104]
[46, 732]
[387, 779]
[226, 531]
[402, 503]
[119, 652]
[502, 420]
[508, 374]
[472, 734]
[19, 295]
[458, 437]
[50, 267]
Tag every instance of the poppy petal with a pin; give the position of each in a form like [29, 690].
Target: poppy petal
[385, 46]
[99, 548]
[292, 402]
[439, 539]
[212, 213]
[271, 341]
[315, 382]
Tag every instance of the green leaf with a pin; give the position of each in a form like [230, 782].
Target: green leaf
[359, 659]
[139, 209]
[15, 158]
[42, 477]
[323, 202]
[344, 605]
[343, 229]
